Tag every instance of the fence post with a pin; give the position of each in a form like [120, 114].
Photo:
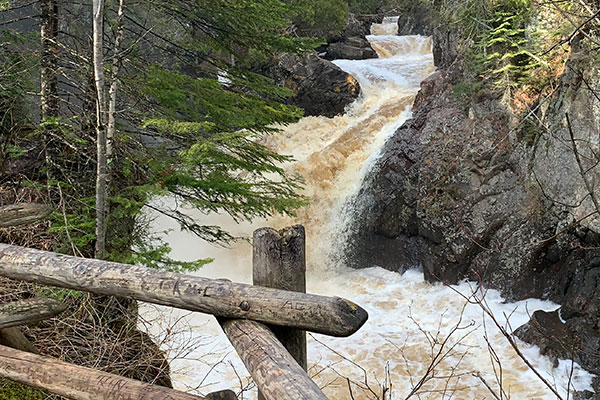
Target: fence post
[279, 262]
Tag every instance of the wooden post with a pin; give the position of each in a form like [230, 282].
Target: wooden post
[78, 383]
[275, 372]
[279, 262]
[328, 315]
[13, 337]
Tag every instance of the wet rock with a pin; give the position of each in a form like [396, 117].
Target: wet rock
[445, 45]
[352, 48]
[549, 333]
[586, 395]
[416, 20]
[319, 86]
[576, 339]
[351, 43]
[460, 193]
[360, 25]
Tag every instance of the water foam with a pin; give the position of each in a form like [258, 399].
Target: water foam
[406, 314]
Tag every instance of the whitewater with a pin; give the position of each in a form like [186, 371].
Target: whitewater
[409, 319]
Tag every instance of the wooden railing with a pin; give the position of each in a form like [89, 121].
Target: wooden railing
[266, 324]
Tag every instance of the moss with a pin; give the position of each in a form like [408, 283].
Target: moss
[465, 90]
[10, 390]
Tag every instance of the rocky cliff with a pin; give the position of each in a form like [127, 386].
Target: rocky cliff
[470, 189]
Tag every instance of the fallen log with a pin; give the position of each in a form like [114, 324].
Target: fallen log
[327, 315]
[22, 214]
[275, 372]
[78, 383]
[30, 310]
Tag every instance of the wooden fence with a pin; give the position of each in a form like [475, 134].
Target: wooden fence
[265, 323]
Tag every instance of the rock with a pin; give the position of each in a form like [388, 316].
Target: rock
[320, 87]
[574, 339]
[360, 25]
[549, 333]
[446, 41]
[353, 48]
[417, 20]
[458, 192]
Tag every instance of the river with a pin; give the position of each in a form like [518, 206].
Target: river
[409, 319]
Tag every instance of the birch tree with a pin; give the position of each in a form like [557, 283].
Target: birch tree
[105, 116]
[101, 160]
[49, 59]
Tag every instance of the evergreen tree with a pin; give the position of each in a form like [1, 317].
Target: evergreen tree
[185, 86]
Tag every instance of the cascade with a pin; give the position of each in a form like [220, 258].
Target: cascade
[409, 318]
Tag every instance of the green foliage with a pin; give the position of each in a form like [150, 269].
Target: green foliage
[509, 52]
[202, 104]
[319, 18]
[60, 294]
[503, 49]
[219, 164]
[14, 152]
[75, 228]
[229, 172]
[215, 29]
[211, 170]
[466, 89]
[154, 254]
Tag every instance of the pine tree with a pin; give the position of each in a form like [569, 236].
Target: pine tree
[184, 77]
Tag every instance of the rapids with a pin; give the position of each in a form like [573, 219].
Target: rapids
[408, 318]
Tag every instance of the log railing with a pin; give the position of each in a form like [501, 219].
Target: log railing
[264, 324]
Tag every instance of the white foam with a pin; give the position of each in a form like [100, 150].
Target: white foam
[405, 313]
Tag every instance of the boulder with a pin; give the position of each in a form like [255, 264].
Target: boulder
[319, 86]
[353, 48]
[574, 339]
[360, 25]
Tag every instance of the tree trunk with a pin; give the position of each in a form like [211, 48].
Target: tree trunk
[101, 168]
[49, 60]
[112, 92]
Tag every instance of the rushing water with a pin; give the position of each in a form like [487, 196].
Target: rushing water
[408, 318]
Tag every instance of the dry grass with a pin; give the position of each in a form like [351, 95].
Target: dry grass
[95, 331]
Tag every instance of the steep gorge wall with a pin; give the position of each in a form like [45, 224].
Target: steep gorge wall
[465, 189]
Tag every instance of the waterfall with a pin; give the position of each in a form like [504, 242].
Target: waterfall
[409, 318]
